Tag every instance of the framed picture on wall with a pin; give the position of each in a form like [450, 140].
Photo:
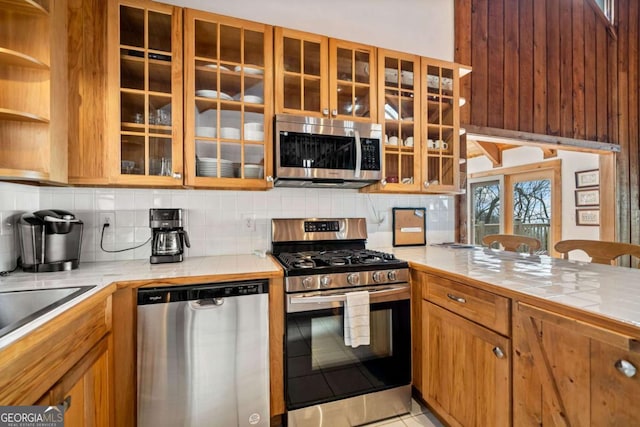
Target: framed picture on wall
[587, 216]
[588, 197]
[589, 178]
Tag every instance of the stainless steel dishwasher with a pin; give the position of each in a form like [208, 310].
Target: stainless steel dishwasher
[203, 356]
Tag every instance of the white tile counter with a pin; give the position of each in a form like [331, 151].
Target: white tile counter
[612, 292]
[101, 274]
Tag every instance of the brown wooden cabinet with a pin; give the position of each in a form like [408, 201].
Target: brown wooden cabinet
[33, 94]
[462, 365]
[229, 102]
[568, 372]
[85, 392]
[323, 77]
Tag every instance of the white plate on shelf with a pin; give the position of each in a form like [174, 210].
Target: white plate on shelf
[206, 93]
[390, 75]
[254, 126]
[254, 135]
[253, 99]
[249, 70]
[213, 160]
[206, 131]
[230, 133]
[216, 67]
[406, 77]
[253, 171]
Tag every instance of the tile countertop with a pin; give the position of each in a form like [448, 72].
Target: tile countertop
[612, 292]
[101, 274]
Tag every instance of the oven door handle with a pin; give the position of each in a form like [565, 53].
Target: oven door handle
[302, 299]
[356, 173]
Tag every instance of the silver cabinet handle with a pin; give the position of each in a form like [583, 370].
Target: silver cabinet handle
[176, 175]
[325, 111]
[498, 352]
[426, 184]
[334, 112]
[269, 178]
[66, 404]
[383, 182]
[626, 368]
[457, 298]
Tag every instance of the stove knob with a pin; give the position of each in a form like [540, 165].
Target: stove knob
[353, 279]
[392, 275]
[325, 281]
[378, 276]
[307, 282]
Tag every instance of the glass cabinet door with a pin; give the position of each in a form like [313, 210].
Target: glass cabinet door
[399, 89]
[352, 90]
[150, 95]
[301, 73]
[228, 93]
[441, 127]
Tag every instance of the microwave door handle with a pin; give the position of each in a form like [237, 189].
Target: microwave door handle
[356, 173]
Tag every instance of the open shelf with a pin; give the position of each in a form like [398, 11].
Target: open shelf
[24, 6]
[11, 57]
[21, 116]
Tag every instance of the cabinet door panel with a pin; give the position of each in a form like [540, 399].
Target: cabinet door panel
[463, 379]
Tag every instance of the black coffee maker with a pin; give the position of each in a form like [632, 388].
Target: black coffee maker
[168, 236]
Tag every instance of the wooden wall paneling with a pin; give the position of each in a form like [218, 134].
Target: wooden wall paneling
[608, 198]
[624, 233]
[590, 76]
[553, 67]
[601, 58]
[634, 116]
[566, 71]
[479, 30]
[525, 100]
[511, 65]
[577, 64]
[540, 66]
[463, 52]
[495, 66]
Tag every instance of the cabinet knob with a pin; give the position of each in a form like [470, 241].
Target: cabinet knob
[325, 111]
[626, 368]
[498, 352]
[334, 112]
[456, 298]
[383, 182]
[426, 184]
[176, 175]
[269, 178]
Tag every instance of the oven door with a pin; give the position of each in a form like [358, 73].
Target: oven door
[320, 368]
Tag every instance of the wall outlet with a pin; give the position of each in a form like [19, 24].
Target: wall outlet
[107, 218]
[249, 222]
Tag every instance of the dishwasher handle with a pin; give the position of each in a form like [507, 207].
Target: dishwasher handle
[207, 303]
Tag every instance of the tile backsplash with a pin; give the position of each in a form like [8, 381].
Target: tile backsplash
[214, 219]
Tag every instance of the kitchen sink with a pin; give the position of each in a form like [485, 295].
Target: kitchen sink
[18, 308]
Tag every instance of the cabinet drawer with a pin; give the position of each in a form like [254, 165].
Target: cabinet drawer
[485, 308]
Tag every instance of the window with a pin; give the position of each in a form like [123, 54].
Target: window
[607, 7]
[522, 200]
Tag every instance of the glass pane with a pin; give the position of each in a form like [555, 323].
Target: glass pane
[362, 67]
[345, 100]
[406, 108]
[160, 110]
[447, 111]
[230, 87]
[433, 111]
[206, 39]
[206, 77]
[345, 65]
[253, 127]
[207, 159]
[312, 58]
[159, 76]
[361, 107]
[253, 48]
[253, 89]
[433, 170]
[447, 82]
[485, 209]
[132, 108]
[253, 162]
[406, 74]
[159, 31]
[406, 169]
[532, 210]
[230, 124]
[206, 123]
[292, 55]
[392, 133]
[446, 177]
[160, 156]
[433, 79]
[312, 95]
[131, 26]
[230, 46]
[391, 71]
[292, 92]
[131, 69]
[132, 154]
[392, 103]
[392, 167]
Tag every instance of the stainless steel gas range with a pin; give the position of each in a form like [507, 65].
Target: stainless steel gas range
[327, 382]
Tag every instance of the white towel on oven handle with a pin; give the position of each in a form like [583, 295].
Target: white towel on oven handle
[356, 319]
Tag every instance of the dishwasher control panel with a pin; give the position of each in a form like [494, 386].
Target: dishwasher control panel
[163, 295]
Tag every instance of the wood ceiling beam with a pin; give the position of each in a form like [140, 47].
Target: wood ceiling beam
[548, 153]
[492, 151]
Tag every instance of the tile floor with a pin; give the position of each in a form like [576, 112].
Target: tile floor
[418, 417]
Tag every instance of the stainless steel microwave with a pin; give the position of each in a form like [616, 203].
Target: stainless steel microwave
[318, 152]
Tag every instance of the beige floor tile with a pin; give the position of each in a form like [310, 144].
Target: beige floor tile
[423, 420]
[390, 422]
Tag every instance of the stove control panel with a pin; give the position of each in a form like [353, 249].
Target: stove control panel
[345, 280]
[320, 226]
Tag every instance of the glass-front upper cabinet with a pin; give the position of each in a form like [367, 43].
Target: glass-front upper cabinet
[228, 101]
[322, 77]
[441, 124]
[399, 113]
[149, 99]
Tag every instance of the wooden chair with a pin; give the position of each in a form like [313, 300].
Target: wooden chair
[511, 242]
[600, 252]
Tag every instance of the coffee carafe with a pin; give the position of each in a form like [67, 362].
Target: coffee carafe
[168, 236]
